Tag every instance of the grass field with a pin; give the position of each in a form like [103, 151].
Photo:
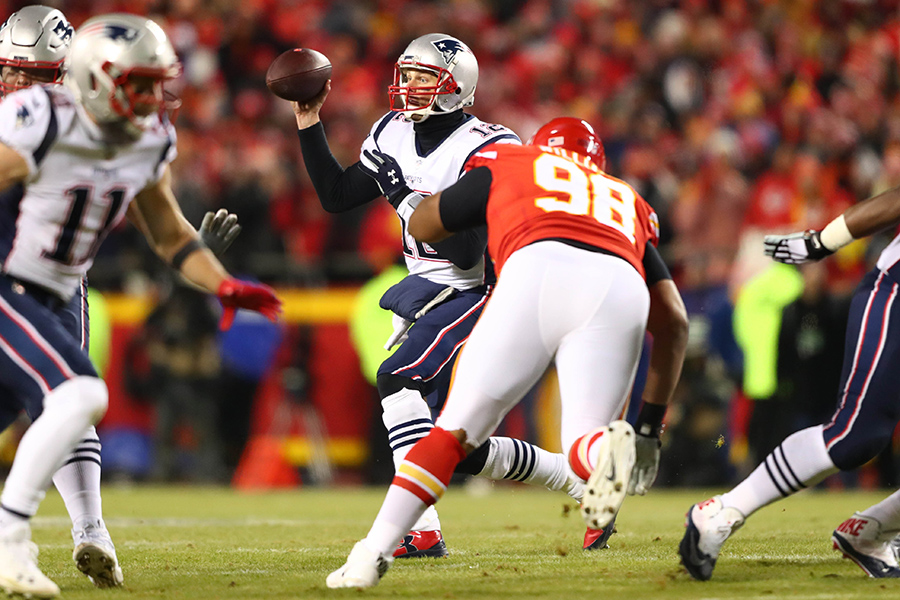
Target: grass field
[515, 542]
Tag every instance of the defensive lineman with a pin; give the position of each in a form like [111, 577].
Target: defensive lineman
[431, 137]
[33, 44]
[84, 156]
[576, 250]
[866, 415]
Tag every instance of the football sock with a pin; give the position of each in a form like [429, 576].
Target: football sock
[886, 512]
[420, 482]
[407, 419]
[520, 461]
[8, 517]
[68, 411]
[800, 461]
[78, 480]
[583, 453]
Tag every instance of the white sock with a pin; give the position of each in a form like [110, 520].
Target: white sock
[886, 512]
[800, 461]
[516, 460]
[68, 411]
[78, 480]
[407, 419]
[401, 509]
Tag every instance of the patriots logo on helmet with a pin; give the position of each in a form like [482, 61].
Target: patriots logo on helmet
[449, 48]
[64, 31]
[120, 32]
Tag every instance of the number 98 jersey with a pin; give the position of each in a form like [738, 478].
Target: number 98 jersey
[539, 193]
[77, 189]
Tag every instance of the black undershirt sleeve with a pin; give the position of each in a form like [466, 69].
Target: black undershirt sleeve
[338, 189]
[464, 204]
[654, 267]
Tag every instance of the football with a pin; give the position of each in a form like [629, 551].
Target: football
[298, 75]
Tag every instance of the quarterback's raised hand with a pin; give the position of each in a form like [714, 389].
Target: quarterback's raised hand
[796, 248]
[218, 230]
[386, 172]
[235, 294]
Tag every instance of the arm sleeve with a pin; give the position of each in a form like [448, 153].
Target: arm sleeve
[338, 189]
[464, 204]
[654, 267]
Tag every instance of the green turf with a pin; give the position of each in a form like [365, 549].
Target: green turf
[515, 542]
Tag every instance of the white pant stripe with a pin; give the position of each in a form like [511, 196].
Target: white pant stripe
[37, 338]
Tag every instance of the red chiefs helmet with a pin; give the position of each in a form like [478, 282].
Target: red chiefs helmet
[575, 135]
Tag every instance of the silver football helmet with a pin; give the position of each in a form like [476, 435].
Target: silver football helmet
[453, 64]
[33, 44]
[116, 68]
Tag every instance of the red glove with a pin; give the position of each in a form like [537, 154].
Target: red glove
[235, 294]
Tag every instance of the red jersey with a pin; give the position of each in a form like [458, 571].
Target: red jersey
[540, 193]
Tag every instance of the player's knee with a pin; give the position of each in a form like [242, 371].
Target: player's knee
[85, 396]
[389, 384]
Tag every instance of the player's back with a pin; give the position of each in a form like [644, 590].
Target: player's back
[540, 193]
[77, 190]
[428, 173]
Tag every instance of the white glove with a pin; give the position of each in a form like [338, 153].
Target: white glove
[646, 464]
[401, 327]
[796, 248]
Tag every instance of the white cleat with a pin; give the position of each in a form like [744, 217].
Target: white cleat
[707, 526]
[19, 573]
[605, 490]
[363, 569]
[863, 540]
[95, 555]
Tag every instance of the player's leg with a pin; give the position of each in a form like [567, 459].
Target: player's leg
[863, 424]
[78, 479]
[42, 364]
[596, 362]
[500, 362]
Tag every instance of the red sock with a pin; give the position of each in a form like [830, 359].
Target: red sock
[428, 467]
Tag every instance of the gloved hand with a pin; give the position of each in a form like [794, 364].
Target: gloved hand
[796, 248]
[386, 172]
[235, 294]
[401, 329]
[646, 464]
[218, 230]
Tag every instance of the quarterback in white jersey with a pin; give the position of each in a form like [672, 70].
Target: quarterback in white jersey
[73, 162]
[436, 306]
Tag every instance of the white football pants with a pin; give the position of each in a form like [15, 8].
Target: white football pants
[586, 310]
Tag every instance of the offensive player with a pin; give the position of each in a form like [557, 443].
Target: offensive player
[431, 137]
[33, 44]
[82, 157]
[863, 424]
[575, 252]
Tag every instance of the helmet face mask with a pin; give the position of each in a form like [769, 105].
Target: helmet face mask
[574, 135]
[116, 69]
[454, 70]
[33, 44]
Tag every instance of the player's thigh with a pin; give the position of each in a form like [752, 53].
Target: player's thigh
[37, 353]
[503, 358]
[596, 362]
[435, 339]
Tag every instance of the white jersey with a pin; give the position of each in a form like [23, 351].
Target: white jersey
[430, 173]
[78, 187]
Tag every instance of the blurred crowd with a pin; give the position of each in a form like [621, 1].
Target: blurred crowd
[731, 117]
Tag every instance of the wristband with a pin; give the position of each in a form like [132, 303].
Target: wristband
[186, 250]
[836, 235]
[649, 420]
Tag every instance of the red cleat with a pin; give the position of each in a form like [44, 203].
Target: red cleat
[422, 544]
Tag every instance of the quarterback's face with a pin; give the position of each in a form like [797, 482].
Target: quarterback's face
[413, 78]
[145, 93]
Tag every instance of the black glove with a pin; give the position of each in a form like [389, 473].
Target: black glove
[218, 230]
[796, 248]
[387, 174]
